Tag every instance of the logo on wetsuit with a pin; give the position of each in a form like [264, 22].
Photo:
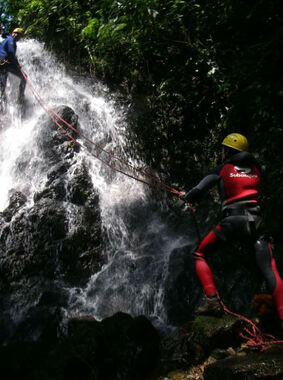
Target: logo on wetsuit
[243, 172]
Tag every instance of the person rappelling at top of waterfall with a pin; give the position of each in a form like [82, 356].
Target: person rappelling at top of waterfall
[238, 179]
[10, 64]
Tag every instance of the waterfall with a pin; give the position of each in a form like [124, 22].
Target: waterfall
[139, 236]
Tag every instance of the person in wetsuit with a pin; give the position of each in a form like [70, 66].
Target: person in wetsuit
[10, 64]
[238, 180]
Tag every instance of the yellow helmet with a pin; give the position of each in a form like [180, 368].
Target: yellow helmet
[18, 31]
[236, 141]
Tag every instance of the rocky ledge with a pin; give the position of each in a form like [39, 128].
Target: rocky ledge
[209, 348]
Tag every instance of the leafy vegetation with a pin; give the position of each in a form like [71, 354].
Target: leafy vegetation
[196, 70]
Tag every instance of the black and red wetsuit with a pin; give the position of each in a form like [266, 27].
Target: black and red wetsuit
[238, 181]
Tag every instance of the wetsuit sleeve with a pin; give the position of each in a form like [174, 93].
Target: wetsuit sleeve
[209, 181]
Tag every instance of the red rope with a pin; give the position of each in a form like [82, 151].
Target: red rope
[252, 334]
[51, 113]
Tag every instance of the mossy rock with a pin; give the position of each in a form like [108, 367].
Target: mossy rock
[253, 366]
[211, 332]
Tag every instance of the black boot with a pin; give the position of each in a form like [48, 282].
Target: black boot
[210, 306]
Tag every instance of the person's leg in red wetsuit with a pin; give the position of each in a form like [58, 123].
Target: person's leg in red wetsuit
[208, 246]
[211, 304]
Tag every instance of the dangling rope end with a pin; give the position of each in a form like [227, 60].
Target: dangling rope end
[255, 337]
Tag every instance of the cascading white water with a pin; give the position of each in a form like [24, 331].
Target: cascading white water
[138, 239]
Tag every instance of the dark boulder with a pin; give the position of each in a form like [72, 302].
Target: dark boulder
[182, 288]
[119, 347]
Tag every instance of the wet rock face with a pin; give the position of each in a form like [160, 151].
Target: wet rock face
[182, 291]
[54, 240]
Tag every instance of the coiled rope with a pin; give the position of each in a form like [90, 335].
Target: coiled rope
[252, 334]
